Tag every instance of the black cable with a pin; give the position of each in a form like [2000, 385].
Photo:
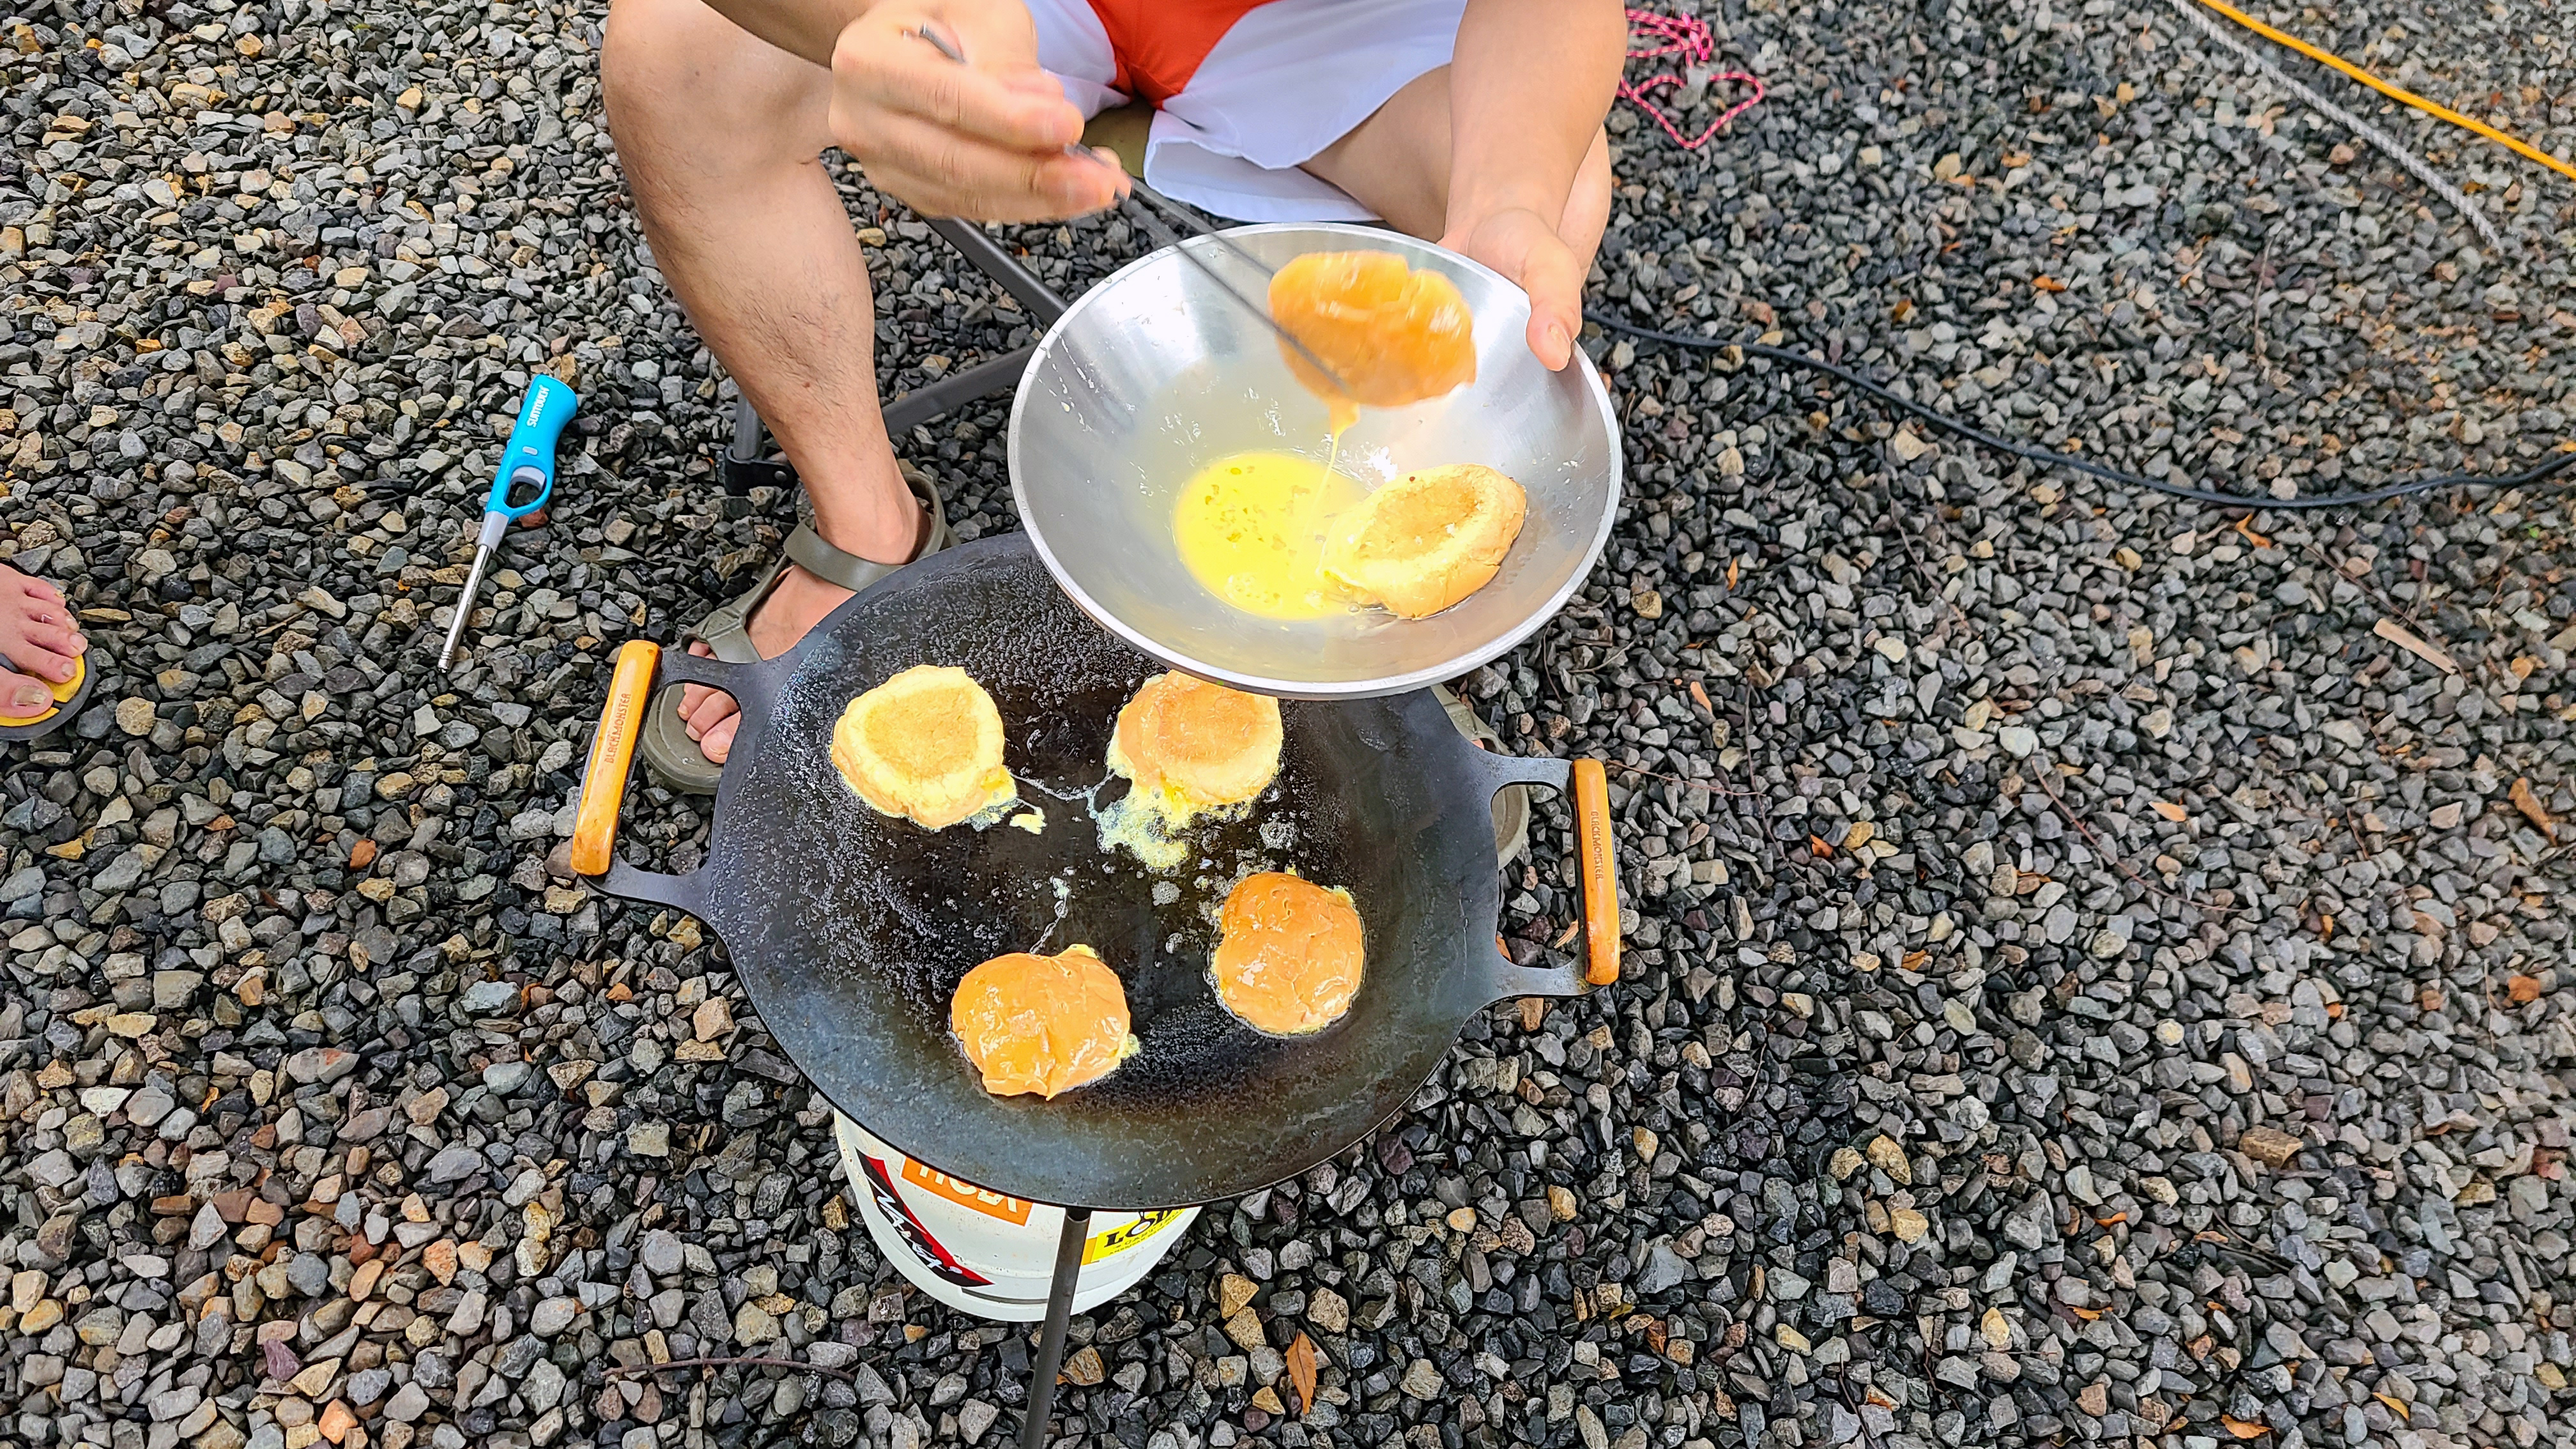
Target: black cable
[2537, 474]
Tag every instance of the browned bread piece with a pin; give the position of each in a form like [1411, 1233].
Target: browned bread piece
[1196, 746]
[925, 745]
[1428, 539]
[1042, 1024]
[1288, 960]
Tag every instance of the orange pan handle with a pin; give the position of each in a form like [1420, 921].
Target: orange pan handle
[612, 752]
[1600, 870]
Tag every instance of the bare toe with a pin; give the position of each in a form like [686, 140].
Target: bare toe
[54, 652]
[22, 696]
[693, 695]
[36, 659]
[717, 742]
[712, 711]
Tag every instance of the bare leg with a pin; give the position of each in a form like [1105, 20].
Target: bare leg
[36, 635]
[721, 135]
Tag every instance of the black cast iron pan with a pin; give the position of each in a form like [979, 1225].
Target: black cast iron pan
[851, 930]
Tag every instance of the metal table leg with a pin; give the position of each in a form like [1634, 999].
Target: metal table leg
[1068, 1268]
[742, 465]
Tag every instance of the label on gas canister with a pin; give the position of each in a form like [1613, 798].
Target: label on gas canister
[928, 1249]
[1009, 1209]
[1127, 1235]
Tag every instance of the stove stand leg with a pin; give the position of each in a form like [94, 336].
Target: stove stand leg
[1068, 1268]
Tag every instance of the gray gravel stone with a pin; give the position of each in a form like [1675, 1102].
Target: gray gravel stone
[483, 998]
[661, 1252]
[543, 1387]
[455, 1164]
[408, 1404]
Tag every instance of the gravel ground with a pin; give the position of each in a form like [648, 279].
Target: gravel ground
[2094, 963]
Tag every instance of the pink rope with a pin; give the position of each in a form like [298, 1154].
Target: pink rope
[1688, 38]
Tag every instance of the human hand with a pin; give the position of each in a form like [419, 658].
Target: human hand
[1525, 248]
[984, 139]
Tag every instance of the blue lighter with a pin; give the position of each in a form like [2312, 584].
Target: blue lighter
[527, 462]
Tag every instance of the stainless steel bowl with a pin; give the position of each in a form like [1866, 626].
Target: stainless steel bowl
[1156, 372]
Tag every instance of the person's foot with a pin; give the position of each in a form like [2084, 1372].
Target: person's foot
[37, 637]
[798, 602]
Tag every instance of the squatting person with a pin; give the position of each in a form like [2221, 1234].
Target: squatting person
[1473, 122]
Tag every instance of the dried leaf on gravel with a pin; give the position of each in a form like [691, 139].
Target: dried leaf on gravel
[1301, 1371]
[2531, 808]
[2171, 811]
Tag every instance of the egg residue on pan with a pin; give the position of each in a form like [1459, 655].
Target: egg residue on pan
[1190, 748]
[1289, 954]
[1129, 824]
[1042, 1024]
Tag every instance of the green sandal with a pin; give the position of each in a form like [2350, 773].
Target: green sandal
[670, 756]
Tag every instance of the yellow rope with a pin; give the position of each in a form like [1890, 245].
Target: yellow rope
[2394, 92]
